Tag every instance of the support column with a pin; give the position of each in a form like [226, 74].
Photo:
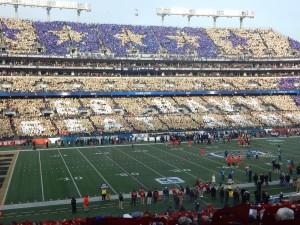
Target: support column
[189, 21]
[215, 21]
[78, 15]
[162, 20]
[48, 13]
[16, 11]
[241, 22]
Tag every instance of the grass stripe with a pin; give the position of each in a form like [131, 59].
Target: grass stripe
[69, 172]
[122, 168]
[187, 161]
[97, 171]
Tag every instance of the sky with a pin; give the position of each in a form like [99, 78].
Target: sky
[282, 16]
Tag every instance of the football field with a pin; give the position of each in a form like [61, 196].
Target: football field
[63, 173]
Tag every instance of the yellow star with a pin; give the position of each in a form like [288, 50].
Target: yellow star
[66, 33]
[128, 36]
[183, 38]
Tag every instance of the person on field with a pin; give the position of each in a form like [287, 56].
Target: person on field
[86, 203]
[133, 198]
[142, 196]
[103, 193]
[73, 204]
[120, 201]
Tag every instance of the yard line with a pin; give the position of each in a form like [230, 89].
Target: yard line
[191, 162]
[141, 163]
[125, 171]
[169, 164]
[97, 171]
[150, 168]
[12, 173]
[236, 169]
[69, 173]
[42, 186]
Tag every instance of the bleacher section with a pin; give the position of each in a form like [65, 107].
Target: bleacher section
[61, 38]
[144, 114]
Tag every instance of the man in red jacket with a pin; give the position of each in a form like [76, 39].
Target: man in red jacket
[133, 198]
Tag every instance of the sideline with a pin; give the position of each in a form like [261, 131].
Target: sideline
[129, 144]
[99, 198]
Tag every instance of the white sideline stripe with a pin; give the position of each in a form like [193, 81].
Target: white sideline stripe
[42, 186]
[188, 161]
[12, 173]
[97, 172]
[125, 171]
[69, 173]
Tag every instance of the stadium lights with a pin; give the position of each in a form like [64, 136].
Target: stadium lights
[204, 12]
[48, 5]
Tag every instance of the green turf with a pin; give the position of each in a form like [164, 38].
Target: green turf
[52, 174]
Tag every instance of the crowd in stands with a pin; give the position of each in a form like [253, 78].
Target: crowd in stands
[115, 84]
[6, 130]
[66, 116]
[61, 38]
[204, 64]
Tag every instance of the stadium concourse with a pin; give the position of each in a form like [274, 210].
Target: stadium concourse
[63, 79]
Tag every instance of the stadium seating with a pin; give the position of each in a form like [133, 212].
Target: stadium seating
[61, 38]
[143, 114]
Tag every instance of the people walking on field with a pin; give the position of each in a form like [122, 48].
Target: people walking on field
[73, 204]
[297, 185]
[223, 174]
[149, 197]
[232, 160]
[155, 195]
[86, 203]
[142, 196]
[166, 194]
[239, 160]
[121, 201]
[103, 193]
[133, 198]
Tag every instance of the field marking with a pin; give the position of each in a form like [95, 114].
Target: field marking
[97, 171]
[190, 162]
[8, 185]
[42, 186]
[69, 173]
[130, 174]
[142, 164]
[222, 164]
[150, 168]
[207, 158]
[169, 164]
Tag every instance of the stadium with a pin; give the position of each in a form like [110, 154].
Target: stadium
[103, 110]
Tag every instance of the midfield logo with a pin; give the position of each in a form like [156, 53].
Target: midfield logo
[235, 153]
[169, 180]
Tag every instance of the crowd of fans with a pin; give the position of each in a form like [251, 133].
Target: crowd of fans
[13, 61]
[61, 38]
[135, 84]
[66, 116]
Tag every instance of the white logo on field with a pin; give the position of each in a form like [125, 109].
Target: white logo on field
[169, 180]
